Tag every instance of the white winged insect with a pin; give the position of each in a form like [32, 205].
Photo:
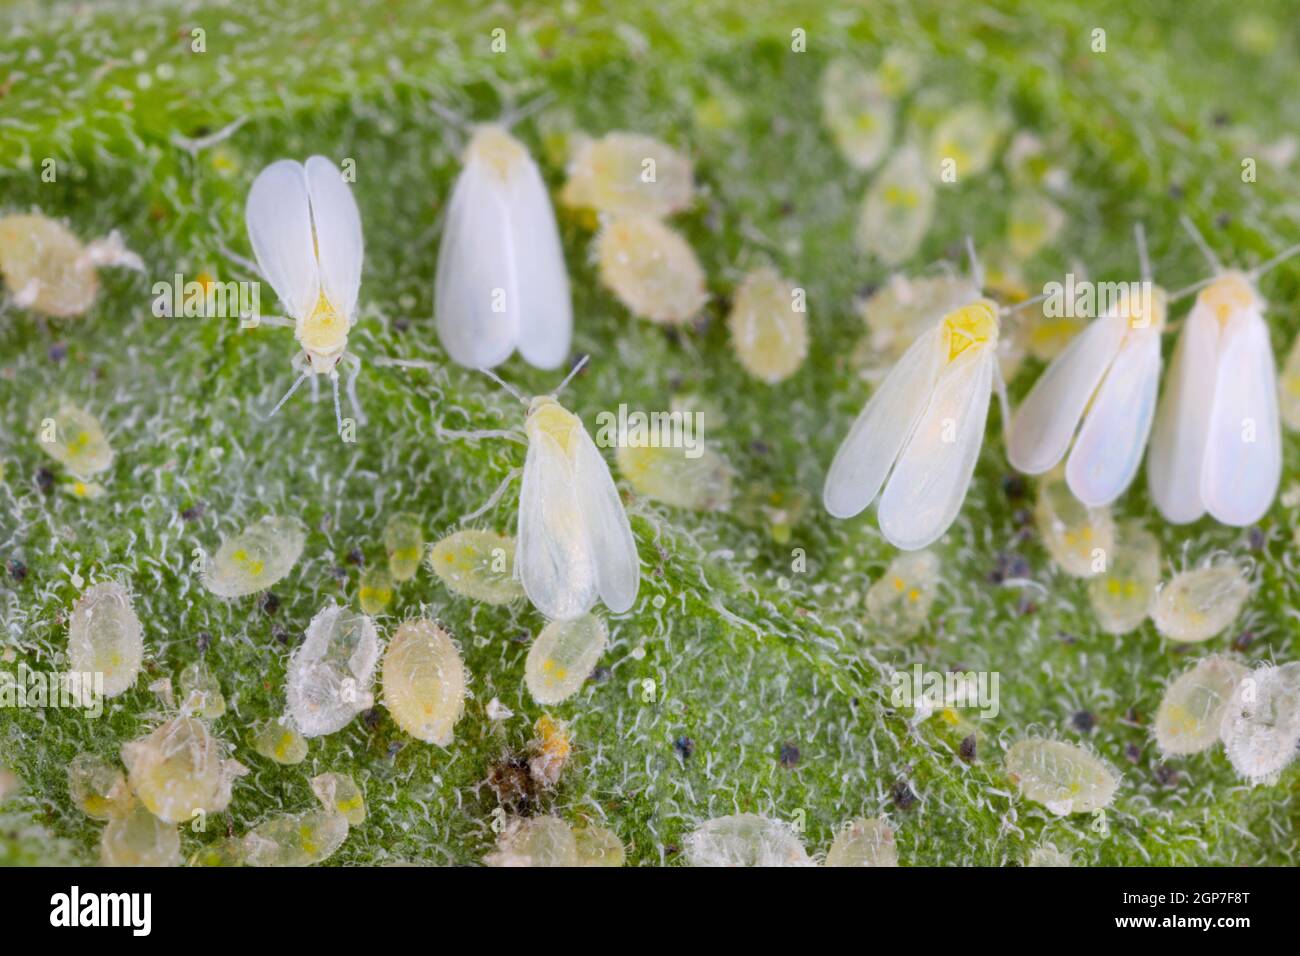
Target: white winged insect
[920, 433]
[501, 282]
[306, 235]
[1107, 378]
[1216, 443]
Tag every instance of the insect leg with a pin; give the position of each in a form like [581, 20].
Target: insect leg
[496, 496]
[354, 361]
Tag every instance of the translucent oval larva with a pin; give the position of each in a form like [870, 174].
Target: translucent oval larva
[98, 787]
[745, 839]
[404, 541]
[900, 600]
[563, 656]
[667, 474]
[1080, 539]
[139, 839]
[1289, 388]
[1261, 724]
[1033, 222]
[295, 839]
[105, 637]
[863, 842]
[768, 323]
[1121, 595]
[535, 841]
[1192, 709]
[551, 750]
[332, 672]
[1048, 856]
[75, 439]
[280, 741]
[1062, 777]
[256, 558]
[1196, 605]
[46, 267]
[598, 846]
[898, 208]
[627, 174]
[859, 113]
[339, 793]
[903, 308]
[478, 564]
[969, 137]
[201, 691]
[424, 682]
[181, 769]
[652, 269]
[375, 591]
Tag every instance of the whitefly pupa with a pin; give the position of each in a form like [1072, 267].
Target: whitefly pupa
[1193, 707]
[1060, 776]
[629, 174]
[651, 269]
[477, 564]
[745, 839]
[256, 558]
[181, 769]
[75, 439]
[563, 656]
[424, 681]
[1261, 724]
[105, 637]
[138, 838]
[1199, 603]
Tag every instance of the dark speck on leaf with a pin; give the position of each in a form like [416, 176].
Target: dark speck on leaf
[1220, 119]
[280, 634]
[394, 749]
[17, 570]
[1175, 191]
[1009, 565]
[511, 783]
[45, 480]
[1084, 721]
[1223, 220]
[339, 573]
[522, 637]
[759, 447]
[1243, 640]
[370, 718]
[684, 746]
[867, 290]
[401, 325]
[269, 603]
[967, 749]
[789, 755]
[1166, 775]
[1133, 752]
[194, 512]
[1025, 606]
[58, 351]
[1013, 486]
[356, 557]
[1066, 638]
[1257, 539]
[902, 795]
[205, 640]
[600, 675]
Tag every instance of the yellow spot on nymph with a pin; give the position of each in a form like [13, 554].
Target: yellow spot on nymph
[1232, 292]
[971, 325]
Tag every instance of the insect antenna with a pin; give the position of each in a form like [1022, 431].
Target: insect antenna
[289, 394]
[338, 412]
[582, 363]
[504, 384]
[1007, 310]
[515, 114]
[1278, 259]
[1201, 244]
[1144, 261]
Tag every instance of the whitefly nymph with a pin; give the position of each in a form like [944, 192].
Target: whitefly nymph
[306, 234]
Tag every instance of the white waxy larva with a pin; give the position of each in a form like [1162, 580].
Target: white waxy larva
[1261, 724]
[667, 474]
[627, 174]
[968, 136]
[404, 542]
[1196, 605]
[501, 282]
[863, 842]
[305, 229]
[1289, 388]
[105, 637]
[375, 591]
[279, 740]
[339, 793]
[598, 846]
[903, 309]
[140, 839]
[922, 429]
[256, 558]
[49, 271]
[1107, 379]
[1192, 709]
[1216, 443]
[76, 441]
[574, 540]
[652, 269]
[897, 209]
[477, 564]
[745, 839]
[858, 111]
[1121, 596]
[1048, 856]
[899, 601]
[424, 682]
[768, 326]
[181, 769]
[1080, 539]
[535, 841]
[1062, 777]
[332, 672]
[563, 656]
[295, 839]
[98, 787]
[201, 692]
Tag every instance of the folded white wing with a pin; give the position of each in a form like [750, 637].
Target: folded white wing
[1108, 451]
[476, 306]
[929, 483]
[1178, 435]
[1045, 422]
[1243, 453]
[545, 307]
[278, 215]
[339, 246]
[553, 556]
[881, 429]
[613, 549]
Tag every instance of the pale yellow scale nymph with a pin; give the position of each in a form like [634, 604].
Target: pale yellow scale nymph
[1081, 540]
[256, 558]
[180, 770]
[768, 323]
[404, 542]
[652, 269]
[300, 839]
[424, 682]
[1193, 706]
[1197, 604]
[563, 656]
[479, 565]
[98, 787]
[339, 793]
[745, 839]
[628, 174]
[1060, 776]
[75, 439]
[105, 638]
[278, 739]
[139, 839]
[863, 842]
